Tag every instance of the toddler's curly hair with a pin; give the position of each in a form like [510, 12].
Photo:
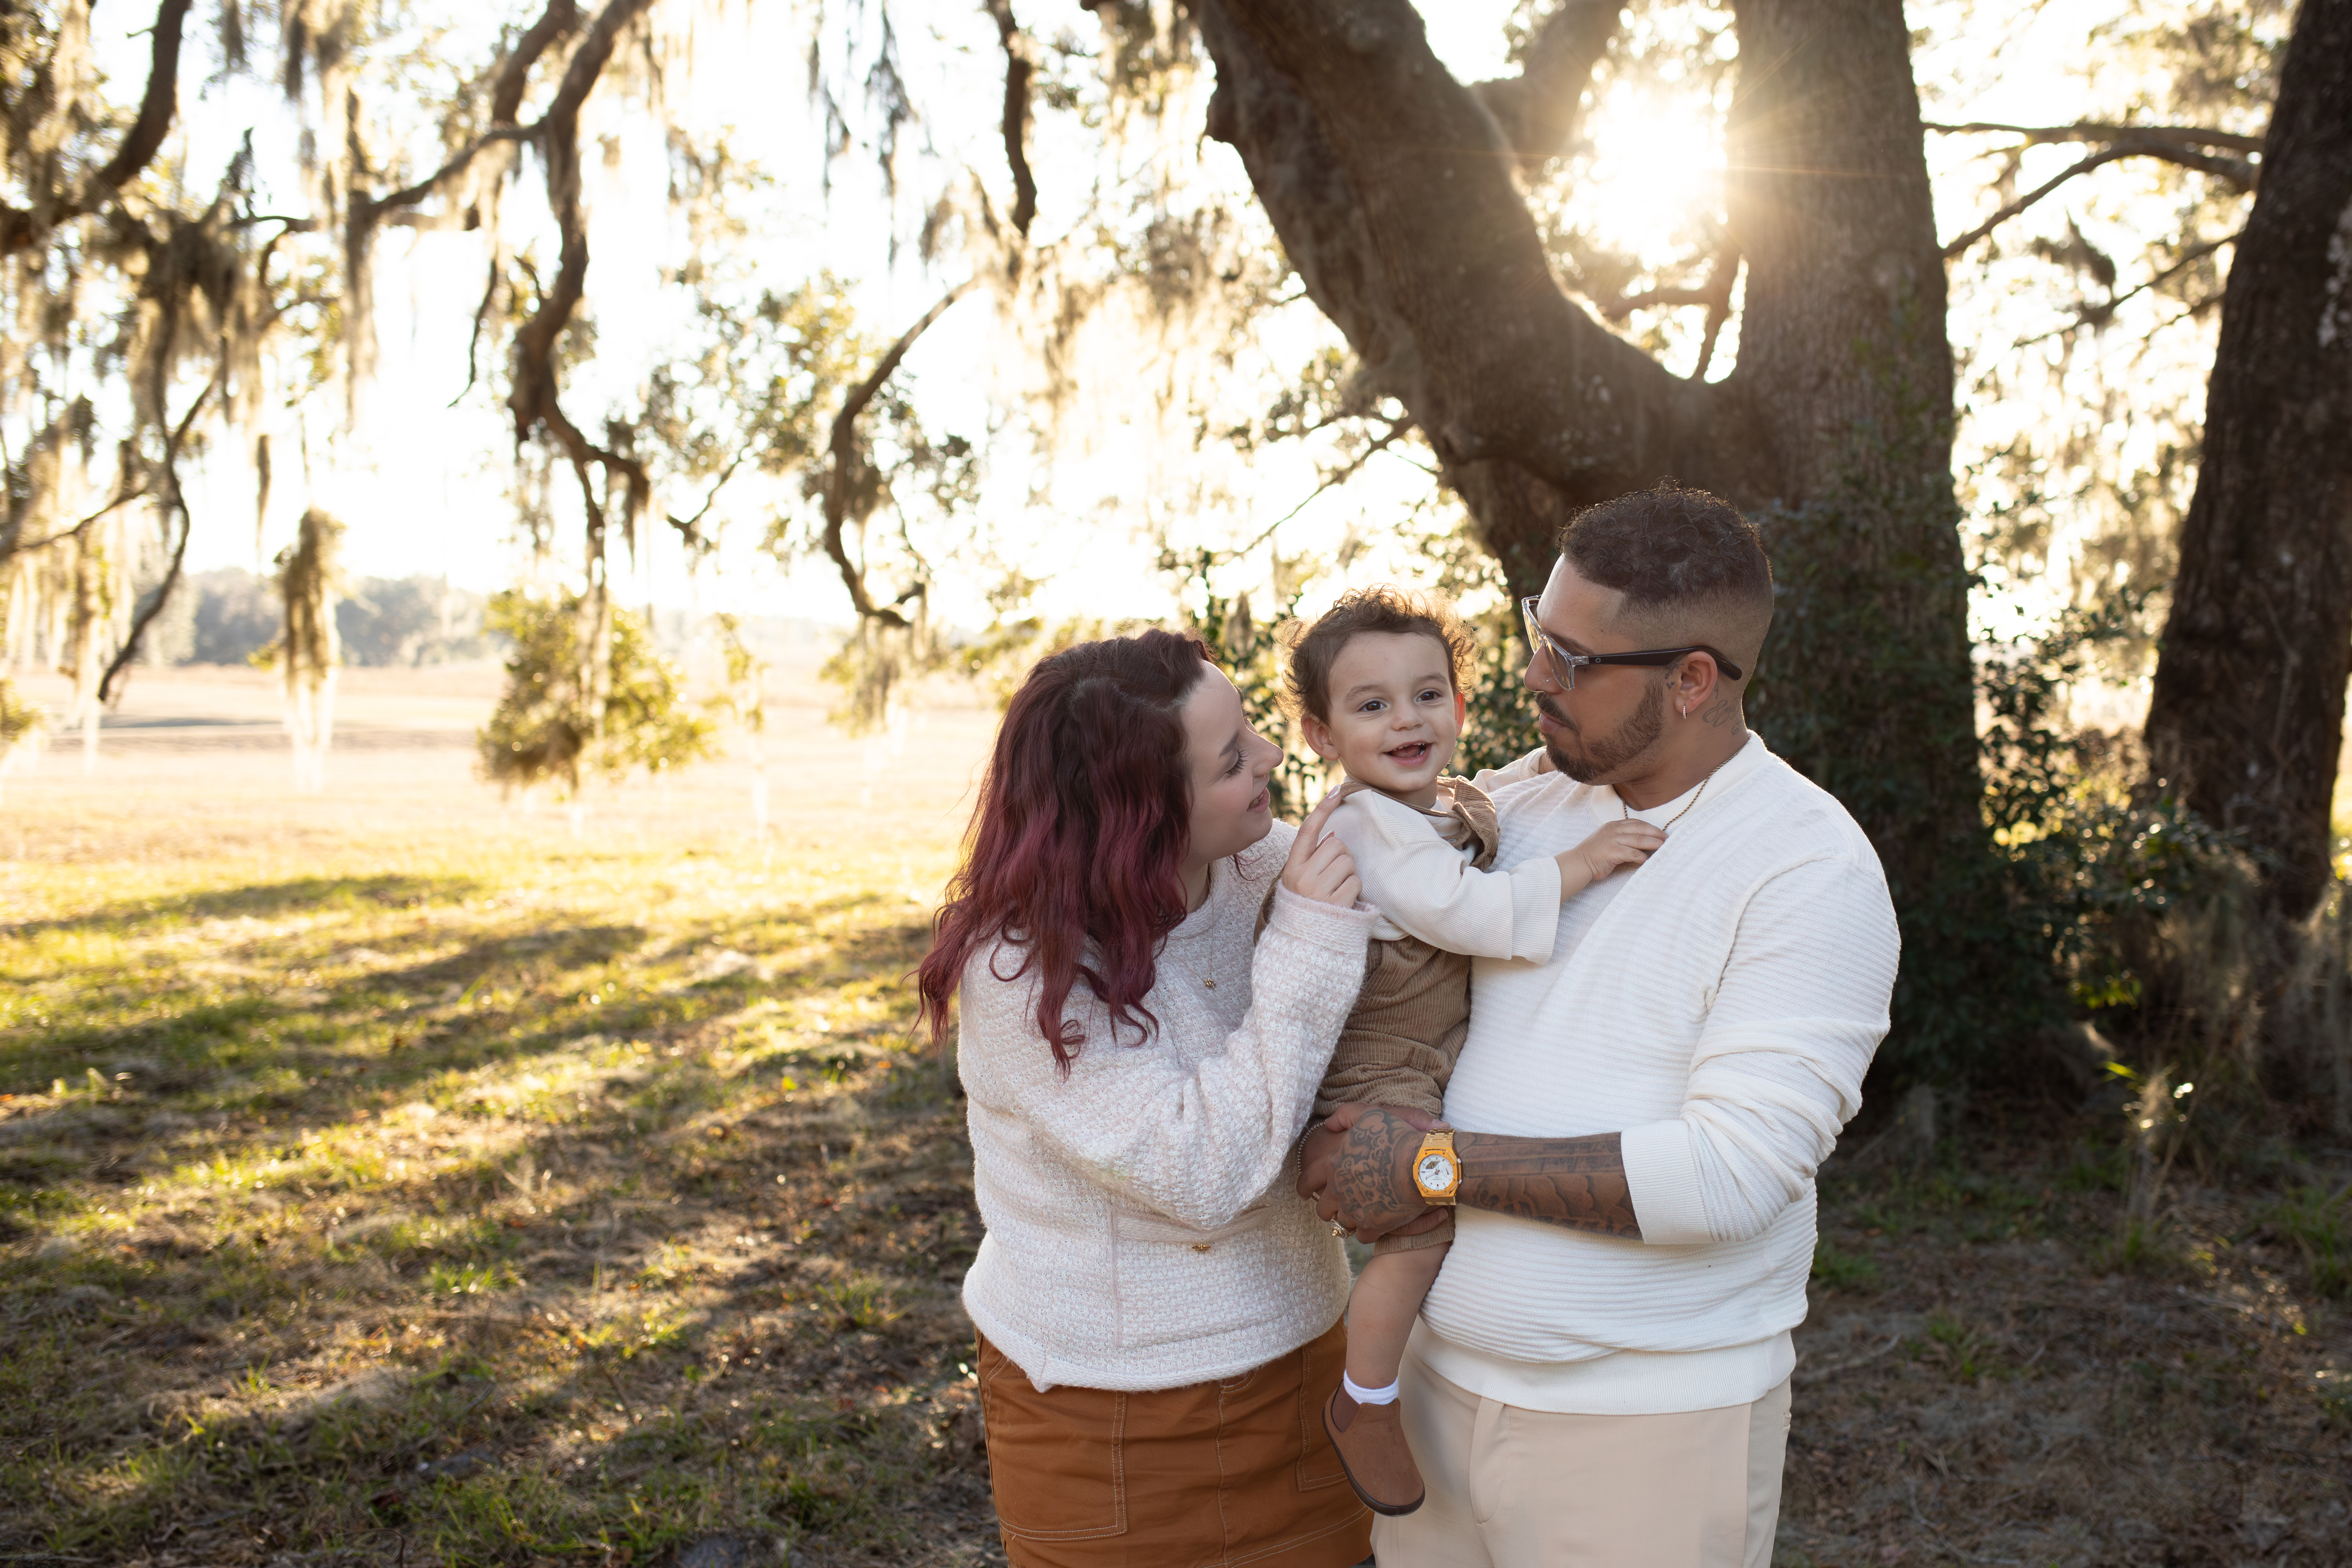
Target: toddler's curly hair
[1314, 649]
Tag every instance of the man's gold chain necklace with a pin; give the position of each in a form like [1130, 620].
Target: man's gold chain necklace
[1678, 815]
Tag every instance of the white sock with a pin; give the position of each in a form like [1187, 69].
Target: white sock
[1364, 1395]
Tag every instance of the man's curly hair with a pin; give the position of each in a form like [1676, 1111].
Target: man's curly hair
[1668, 547]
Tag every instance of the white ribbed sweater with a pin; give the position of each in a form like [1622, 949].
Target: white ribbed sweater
[1718, 1006]
[1143, 1230]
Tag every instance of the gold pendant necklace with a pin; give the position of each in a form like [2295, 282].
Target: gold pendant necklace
[1207, 980]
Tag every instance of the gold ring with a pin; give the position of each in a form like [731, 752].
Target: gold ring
[1338, 1230]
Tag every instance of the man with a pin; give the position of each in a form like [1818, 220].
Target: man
[1601, 1375]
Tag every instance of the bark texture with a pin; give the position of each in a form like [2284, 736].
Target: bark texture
[2247, 718]
[1393, 188]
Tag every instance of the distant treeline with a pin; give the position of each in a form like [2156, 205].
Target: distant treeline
[227, 616]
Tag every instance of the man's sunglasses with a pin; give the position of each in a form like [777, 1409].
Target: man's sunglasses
[1562, 665]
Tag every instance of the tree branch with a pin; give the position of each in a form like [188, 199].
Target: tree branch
[847, 456]
[21, 228]
[157, 107]
[514, 74]
[533, 400]
[1653, 299]
[2101, 313]
[365, 212]
[1718, 309]
[458, 163]
[1715, 294]
[2234, 171]
[474, 340]
[2087, 131]
[85, 525]
[1392, 194]
[558, 21]
[174, 502]
[1538, 111]
[1330, 482]
[1019, 71]
[689, 528]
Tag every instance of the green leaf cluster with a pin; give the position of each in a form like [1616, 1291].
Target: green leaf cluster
[2088, 858]
[549, 725]
[19, 720]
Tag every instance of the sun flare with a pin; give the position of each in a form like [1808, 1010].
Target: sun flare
[1653, 171]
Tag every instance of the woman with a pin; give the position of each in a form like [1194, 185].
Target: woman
[1159, 1311]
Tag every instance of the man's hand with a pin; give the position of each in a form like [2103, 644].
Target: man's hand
[1358, 1170]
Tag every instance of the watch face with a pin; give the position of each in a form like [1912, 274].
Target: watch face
[1435, 1172]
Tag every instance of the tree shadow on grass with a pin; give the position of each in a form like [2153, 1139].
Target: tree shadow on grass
[262, 901]
[320, 1054]
[432, 1450]
[327, 1052]
[528, 956]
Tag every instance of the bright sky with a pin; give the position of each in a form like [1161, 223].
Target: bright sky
[430, 495]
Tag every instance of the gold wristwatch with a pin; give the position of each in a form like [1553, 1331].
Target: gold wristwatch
[1437, 1170]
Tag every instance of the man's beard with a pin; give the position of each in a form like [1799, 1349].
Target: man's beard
[1607, 755]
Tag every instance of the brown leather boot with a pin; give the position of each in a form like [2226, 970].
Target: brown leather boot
[1372, 1447]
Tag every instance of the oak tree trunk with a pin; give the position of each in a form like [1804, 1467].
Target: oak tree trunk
[2247, 717]
[1391, 187]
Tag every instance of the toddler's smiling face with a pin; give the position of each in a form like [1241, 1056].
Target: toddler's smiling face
[1395, 717]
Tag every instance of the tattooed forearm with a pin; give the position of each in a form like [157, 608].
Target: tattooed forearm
[1575, 1183]
[1578, 1183]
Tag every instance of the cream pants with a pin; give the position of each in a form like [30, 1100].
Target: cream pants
[1527, 1488]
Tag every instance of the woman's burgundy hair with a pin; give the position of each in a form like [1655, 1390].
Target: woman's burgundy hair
[1076, 851]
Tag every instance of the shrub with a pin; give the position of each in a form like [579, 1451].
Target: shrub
[548, 724]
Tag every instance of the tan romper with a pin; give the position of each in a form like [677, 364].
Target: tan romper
[1413, 1012]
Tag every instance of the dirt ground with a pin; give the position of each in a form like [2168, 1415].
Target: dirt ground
[399, 1174]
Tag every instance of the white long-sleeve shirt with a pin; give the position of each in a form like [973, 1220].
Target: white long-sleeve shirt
[1143, 1227]
[1717, 1007]
[1423, 886]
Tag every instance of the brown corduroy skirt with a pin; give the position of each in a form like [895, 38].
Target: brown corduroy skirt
[1211, 1475]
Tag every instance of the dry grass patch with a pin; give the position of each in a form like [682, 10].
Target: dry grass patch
[1985, 1379]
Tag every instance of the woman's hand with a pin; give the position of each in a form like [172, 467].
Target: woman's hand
[1319, 866]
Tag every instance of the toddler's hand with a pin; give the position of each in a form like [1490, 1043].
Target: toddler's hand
[1627, 843]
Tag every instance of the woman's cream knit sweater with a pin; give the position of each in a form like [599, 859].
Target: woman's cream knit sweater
[1142, 1228]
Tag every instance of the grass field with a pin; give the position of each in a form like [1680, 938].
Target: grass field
[397, 1176]
[394, 1174]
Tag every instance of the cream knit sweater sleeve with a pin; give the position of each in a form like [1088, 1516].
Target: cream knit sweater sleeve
[1196, 1138]
[1777, 1070]
[1426, 888]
